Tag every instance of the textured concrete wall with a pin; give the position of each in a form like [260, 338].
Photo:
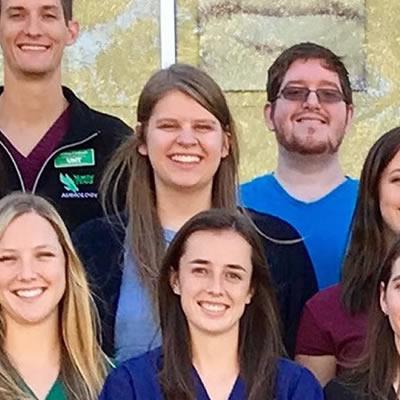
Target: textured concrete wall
[377, 106]
[119, 48]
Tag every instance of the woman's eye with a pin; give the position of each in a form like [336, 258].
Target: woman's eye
[45, 255]
[203, 128]
[199, 271]
[167, 126]
[234, 276]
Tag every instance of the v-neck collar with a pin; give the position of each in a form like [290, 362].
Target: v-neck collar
[56, 392]
[237, 392]
[53, 134]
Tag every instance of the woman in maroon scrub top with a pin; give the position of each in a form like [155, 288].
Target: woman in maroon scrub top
[377, 375]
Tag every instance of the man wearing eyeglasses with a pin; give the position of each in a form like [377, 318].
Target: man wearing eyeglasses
[310, 109]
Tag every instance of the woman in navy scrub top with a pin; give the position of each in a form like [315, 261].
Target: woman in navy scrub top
[219, 323]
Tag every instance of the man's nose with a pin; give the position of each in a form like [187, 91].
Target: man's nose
[312, 100]
[33, 25]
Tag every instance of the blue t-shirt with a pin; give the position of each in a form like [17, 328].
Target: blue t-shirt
[137, 379]
[136, 329]
[324, 224]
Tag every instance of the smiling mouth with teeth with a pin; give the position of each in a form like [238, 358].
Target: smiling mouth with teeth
[29, 293]
[212, 307]
[183, 158]
[33, 47]
[305, 119]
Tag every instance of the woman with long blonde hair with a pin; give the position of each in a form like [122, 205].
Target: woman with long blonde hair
[48, 341]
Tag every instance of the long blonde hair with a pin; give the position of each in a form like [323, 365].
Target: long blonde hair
[83, 366]
[131, 173]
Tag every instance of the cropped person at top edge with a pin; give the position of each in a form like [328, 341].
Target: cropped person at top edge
[219, 323]
[329, 342]
[183, 159]
[309, 109]
[48, 341]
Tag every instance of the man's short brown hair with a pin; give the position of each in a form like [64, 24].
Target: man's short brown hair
[307, 51]
[67, 9]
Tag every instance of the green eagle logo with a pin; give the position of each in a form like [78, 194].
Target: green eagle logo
[68, 183]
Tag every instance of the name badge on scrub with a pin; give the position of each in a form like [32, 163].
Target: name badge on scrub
[77, 158]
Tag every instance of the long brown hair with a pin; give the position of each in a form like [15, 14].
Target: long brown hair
[380, 365]
[368, 242]
[259, 334]
[128, 165]
[83, 365]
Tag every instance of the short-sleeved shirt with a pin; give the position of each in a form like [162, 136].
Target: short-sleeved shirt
[326, 328]
[324, 223]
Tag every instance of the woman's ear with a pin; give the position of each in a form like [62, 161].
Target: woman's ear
[174, 282]
[142, 149]
[139, 132]
[250, 296]
[226, 144]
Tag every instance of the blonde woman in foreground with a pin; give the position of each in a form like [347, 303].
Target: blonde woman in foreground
[48, 345]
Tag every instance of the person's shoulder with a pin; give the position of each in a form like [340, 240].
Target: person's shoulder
[114, 224]
[107, 124]
[151, 358]
[294, 378]
[273, 226]
[146, 365]
[261, 181]
[136, 378]
[335, 389]
[291, 369]
[326, 299]
[352, 181]
[330, 295]
[100, 236]
[351, 184]
[111, 123]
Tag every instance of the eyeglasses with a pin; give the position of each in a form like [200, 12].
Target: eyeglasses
[296, 93]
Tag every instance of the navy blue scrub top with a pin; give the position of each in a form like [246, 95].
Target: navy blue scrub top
[137, 379]
[238, 391]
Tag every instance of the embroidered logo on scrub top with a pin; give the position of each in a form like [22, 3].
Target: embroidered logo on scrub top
[72, 186]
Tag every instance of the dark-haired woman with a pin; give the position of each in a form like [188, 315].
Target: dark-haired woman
[333, 328]
[377, 376]
[182, 160]
[219, 323]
